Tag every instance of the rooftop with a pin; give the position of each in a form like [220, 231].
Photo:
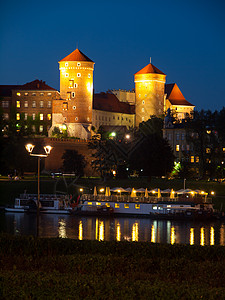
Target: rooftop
[150, 68]
[175, 96]
[76, 55]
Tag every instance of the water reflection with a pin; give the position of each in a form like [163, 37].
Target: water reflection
[119, 229]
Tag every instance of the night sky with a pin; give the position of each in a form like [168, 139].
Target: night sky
[185, 39]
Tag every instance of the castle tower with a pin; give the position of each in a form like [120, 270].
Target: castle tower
[74, 109]
[149, 93]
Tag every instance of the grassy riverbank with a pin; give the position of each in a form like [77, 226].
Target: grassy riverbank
[71, 269]
[11, 189]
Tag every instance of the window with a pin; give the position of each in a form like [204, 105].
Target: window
[89, 107]
[33, 117]
[113, 117]
[143, 118]
[33, 94]
[89, 75]
[18, 116]
[18, 94]
[118, 118]
[143, 110]
[5, 103]
[143, 102]
[33, 128]
[117, 205]
[126, 205]
[88, 118]
[182, 136]
[177, 148]
[197, 159]
[78, 74]
[68, 95]
[33, 103]
[49, 94]
[49, 104]
[18, 104]
[41, 103]
[76, 119]
[188, 147]
[177, 136]
[41, 117]
[25, 94]
[41, 94]
[41, 128]
[75, 85]
[65, 105]
[71, 83]
[5, 116]
[74, 107]
[137, 206]
[26, 103]
[73, 94]
[66, 64]
[223, 149]
[192, 159]
[207, 150]
[25, 116]
[145, 95]
[49, 117]
[66, 75]
[78, 64]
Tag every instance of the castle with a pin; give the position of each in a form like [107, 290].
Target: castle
[76, 109]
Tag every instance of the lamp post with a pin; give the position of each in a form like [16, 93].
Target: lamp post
[29, 148]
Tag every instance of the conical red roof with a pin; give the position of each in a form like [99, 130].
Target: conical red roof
[76, 55]
[175, 96]
[150, 68]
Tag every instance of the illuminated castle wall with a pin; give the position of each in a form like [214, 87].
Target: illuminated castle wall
[149, 92]
[74, 110]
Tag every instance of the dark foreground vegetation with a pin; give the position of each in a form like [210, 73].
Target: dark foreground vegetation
[32, 268]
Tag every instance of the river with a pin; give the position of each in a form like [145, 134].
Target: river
[109, 229]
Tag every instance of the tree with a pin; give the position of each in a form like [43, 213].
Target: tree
[73, 162]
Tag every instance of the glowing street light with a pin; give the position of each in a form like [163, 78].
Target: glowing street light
[29, 148]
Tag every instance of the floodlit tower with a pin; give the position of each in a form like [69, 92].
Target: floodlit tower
[74, 110]
[149, 93]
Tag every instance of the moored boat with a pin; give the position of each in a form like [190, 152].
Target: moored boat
[49, 203]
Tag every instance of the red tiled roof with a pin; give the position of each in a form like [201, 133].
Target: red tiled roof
[175, 96]
[36, 85]
[150, 68]
[109, 102]
[76, 55]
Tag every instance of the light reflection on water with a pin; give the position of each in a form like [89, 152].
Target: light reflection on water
[119, 229]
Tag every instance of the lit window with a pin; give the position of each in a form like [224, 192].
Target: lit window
[25, 94]
[41, 94]
[73, 94]
[18, 94]
[41, 117]
[154, 207]
[41, 103]
[192, 159]
[88, 119]
[76, 119]
[65, 105]
[143, 102]
[143, 118]
[126, 205]
[71, 83]
[177, 147]
[89, 107]
[137, 206]
[145, 95]
[5, 103]
[18, 116]
[33, 117]
[89, 203]
[74, 107]
[41, 128]
[78, 74]
[49, 94]
[208, 150]
[78, 64]
[75, 85]
[197, 159]
[33, 103]
[66, 64]
[33, 94]
[26, 104]
[89, 75]
[25, 116]
[49, 117]
[49, 104]
[143, 109]
[118, 118]
[182, 136]
[66, 75]
[117, 205]
[18, 104]
[5, 116]
[68, 95]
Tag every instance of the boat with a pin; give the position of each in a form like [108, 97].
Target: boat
[184, 206]
[49, 203]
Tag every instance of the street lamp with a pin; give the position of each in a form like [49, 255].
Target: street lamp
[29, 148]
